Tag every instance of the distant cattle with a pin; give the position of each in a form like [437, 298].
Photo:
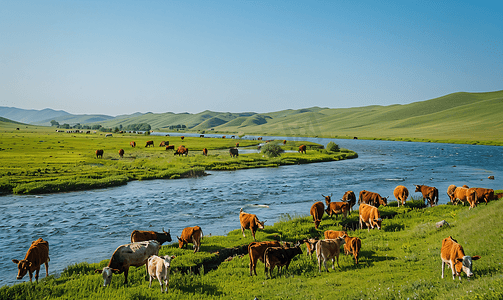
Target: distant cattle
[352, 245]
[302, 148]
[164, 144]
[121, 153]
[260, 138]
[182, 137]
[401, 194]
[279, 257]
[454, 256]
[141, 235]
[223, 137]
[181, 150]
[484, 194]
[132, 144]
[237, 145]
[205, 152]
[317, 210]
[284, 142]
[250, 221]
[125, 256]
[158, 267]
[170, 147]
[372, 198]
[256, 252]
[37, 254]
[350, 198]
[191, 235]
[99, 153]
[370, 216]
[108, 135]
[429, 193]
[149, 143]
[201, 135]
[329, 250]
[88, 132]
[234, 152]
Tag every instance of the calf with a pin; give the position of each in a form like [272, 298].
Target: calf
[310, 246]
[329, 249]
[256, 252]
[316, 211]
[249, 221]
[454, 256]
[401, 193]
[191, 235]
[37, 254]
[430, 193]
[158, 267]
[279, 256]
[141, 235]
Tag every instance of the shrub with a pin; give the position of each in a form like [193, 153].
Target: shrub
[272, 150]
[333, 147]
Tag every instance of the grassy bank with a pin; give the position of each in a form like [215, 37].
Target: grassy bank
[37, 160]
[400, 261]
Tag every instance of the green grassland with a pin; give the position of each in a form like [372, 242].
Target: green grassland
[40, 160]
[401, 261]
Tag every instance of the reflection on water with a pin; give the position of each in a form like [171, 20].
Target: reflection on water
[89, 226]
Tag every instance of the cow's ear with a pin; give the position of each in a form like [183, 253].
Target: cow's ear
[15, 261]
[173, 257]
[476, 257]
[459, 260]
[98, 271]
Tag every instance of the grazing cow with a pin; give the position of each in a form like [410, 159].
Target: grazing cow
[430, 193]
[141, 235]
[192, 235]
[352, 245]
[164, 144]
[256, 252]
[149, 143]
[329, 249]
[460, 194]
[338, 208]
[158, 267]
[125, 256]
[316, 211]
[170, 147]
[121, 153]
[249, 221]
[370, 216]
[237, 145]
[234, 152]
[99, 153]
[279, 256]
[450, 191]
[372, 198]
[302, 149]
[181, 151]
[284, 142]
[310, 244]
[401, 193]
[333, 234]
[454, 256]
[350, 198]
[132, 144]
[37, 254]
[485, 194]
[205, 152]
[471, 197]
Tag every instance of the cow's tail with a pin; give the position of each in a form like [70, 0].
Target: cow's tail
[201, 236]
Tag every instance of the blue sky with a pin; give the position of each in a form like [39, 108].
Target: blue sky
[121, 57]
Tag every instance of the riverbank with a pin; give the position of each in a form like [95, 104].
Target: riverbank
[400, 261]
[35, 161]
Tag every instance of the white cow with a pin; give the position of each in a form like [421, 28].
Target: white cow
[329, 249]
[158, 267]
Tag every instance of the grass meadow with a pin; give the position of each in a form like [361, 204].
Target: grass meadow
[401, 261]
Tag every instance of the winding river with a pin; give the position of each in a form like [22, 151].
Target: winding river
[90, 225]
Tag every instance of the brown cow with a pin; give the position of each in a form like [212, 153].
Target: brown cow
[454, 256]
[350, 198]
[370, 216]
[401, 193]
[260, 138]
[462, 194]
[329, 249]
[141, 235]
[302, 148]
[170, 147]
[249, 221]
[237, 145]
[338, 208]
[132, 144]
[121, 153]
[99, 153]
[430, 193]
[333, 234]
[256, 252]
[182, 137]
[372, 198]
[125, 256]
[149, 143]
[484, 194]
[205, 152]
[317, 210]
[164, 144]
[37, 254]
[234, 152]
[181, 151]
[192, 235]
[284, 142]
[472, 197]
[279, 256]
[352, 245]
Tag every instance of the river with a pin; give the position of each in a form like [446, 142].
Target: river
[90, 225]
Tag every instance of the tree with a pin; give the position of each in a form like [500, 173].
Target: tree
[333, 147]
[54, 123]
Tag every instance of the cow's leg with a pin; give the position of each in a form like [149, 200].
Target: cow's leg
[338, 261]
[443, 267]
[46, 268]
[243, 231]
[125, 275]
[253, 234]
[150, 281]
[166, 284]
[36, 273]
[31, 274]
[159, 278]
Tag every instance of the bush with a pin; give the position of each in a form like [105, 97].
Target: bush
[272, 150]
[333, 147]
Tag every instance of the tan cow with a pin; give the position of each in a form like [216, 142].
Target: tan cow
[158, 267]
[454, 256]
[450, 191]
[464, 195]
[329, 249]
[250, 221]
[484, 194]
[352, 245]
[401, 193]
[350, 198]
[370, 216]
[256, 252]
[429, 193]
[333, 234]
[316, 211]
[472, 197]
[192, 235]
[37, 254]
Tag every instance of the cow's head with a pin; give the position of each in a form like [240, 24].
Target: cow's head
[465, 264]
[418, 188]
[167, 260]
[328, 199]
[23, 266]
[107, 273]
[376, 223]
[316, 223]
[261, 224]
[164, 236]
[181, 242]
[383, 201]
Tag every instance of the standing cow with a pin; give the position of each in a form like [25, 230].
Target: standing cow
[279, 256]
[158, 267]
[256, 252]
[141, 235]
[121, 153]
[205, 152]
[454, 256]
[372, 198]
[302, 149]
[350, 198]
[317, 210]
[99, 153]
[329, 249]
[191, 235]
[234, 152]
[370, 216]
[132, 144]
[37, 254]
[429, 193]
[149, 143]
[250, 221]
[401, 193]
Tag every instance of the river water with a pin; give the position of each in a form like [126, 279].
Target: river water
[90, 225]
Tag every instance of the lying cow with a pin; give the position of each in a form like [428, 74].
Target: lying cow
[37, 254]
[256, 252]
[191, 235]
[430, 193]
[329, 249]
[158, 267]
[141, 235]
[370, 216]
[279, 256]
[401, 194]
[372, 198]
[454, 256]
[249, 221]
[125, 256]
[350, 198]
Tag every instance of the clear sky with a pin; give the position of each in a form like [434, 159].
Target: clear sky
[121, 57]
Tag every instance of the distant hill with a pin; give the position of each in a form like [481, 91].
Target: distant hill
[30, 116]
